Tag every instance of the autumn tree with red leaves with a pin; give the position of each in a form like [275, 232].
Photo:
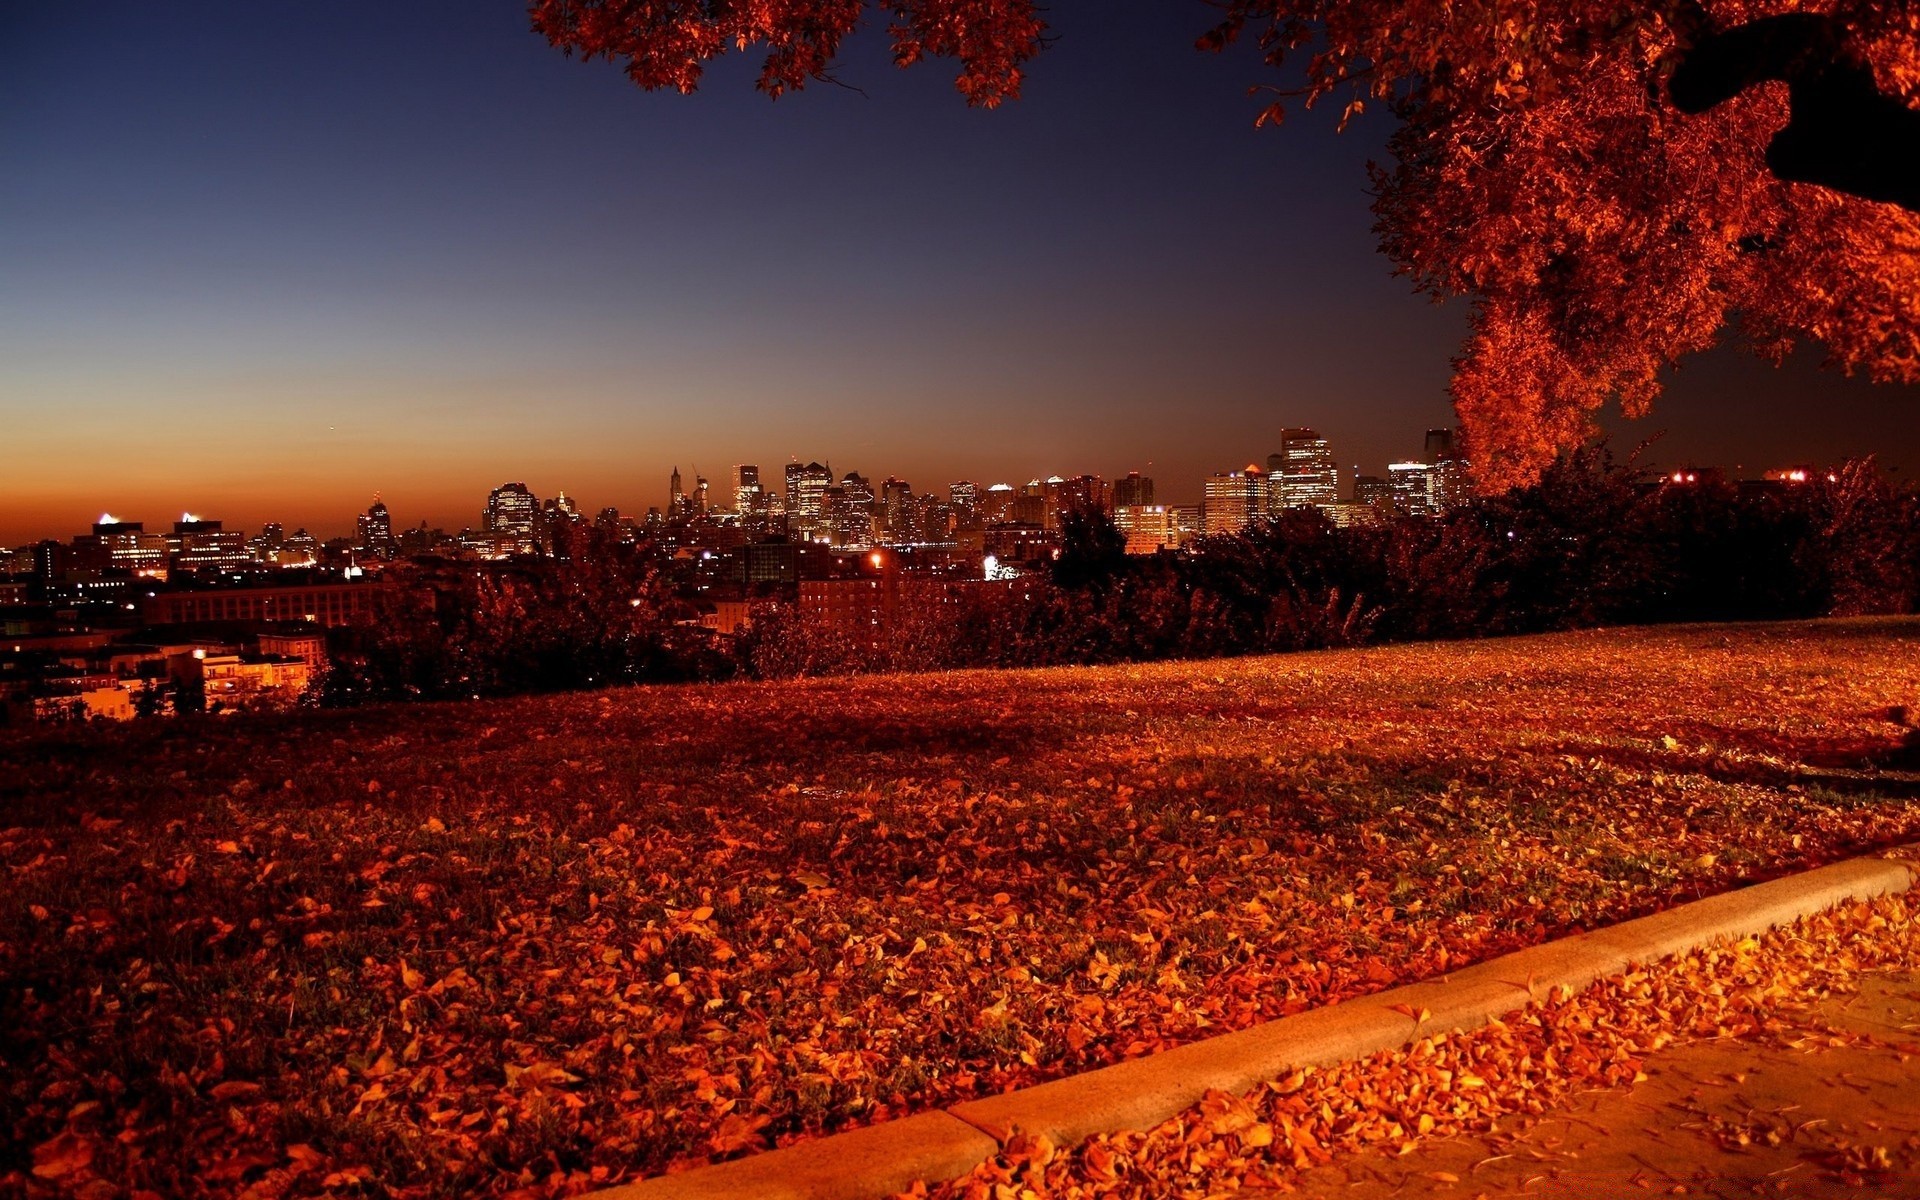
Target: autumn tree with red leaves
[1614, 185]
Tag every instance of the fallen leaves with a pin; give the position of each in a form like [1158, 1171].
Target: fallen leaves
[1526, 1064]
[674, 924]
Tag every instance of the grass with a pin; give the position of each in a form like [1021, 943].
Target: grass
[543, 944]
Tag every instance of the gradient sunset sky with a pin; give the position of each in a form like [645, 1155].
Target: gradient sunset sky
[262, 261]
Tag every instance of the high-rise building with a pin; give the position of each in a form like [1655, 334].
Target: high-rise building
[1148, 528]
[1135, 491]
[963, 497]
[1303, 473]
[1088, 492]
[1412, 485]
[746, 490]
[1450, 481]
[201, 546]
[553, 515]
[848, 520]
[1030, 504]
[374, 531]
[1371, 490]
[997, 505]
[896, 501]
[124, 545]
[511, 514]
[1234, 499]
[808, 484]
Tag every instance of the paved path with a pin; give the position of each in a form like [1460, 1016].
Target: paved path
[1722, 1119]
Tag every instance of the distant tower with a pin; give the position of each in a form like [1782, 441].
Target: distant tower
[376, 530]
[511, 514]
[676, 498]
[1234, 500]
[1303, 473]
[1134, 491]
[809, 484]
[746, 489]
[1449, 469]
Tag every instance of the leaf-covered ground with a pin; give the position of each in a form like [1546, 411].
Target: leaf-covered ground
[1766, 990]
[548, 943]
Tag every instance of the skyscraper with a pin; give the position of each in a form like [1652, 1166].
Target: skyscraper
[1450, 469]
[746, 490]
[809, 483]
[1135, 491]
[997, 505]
[511, 514]
[1371, 489]
[375, 531]
[896, 498]
[201, 545]
[1412, 484]
[963, 496]
[1303, 473]
[1234, 500]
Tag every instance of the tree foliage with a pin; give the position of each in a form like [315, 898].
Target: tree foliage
[1602, 229]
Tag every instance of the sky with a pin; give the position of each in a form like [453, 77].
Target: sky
[264, 261]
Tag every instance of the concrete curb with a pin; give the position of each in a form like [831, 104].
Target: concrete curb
[1140, 1093]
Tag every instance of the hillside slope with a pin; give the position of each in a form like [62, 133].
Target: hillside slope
[550, 942]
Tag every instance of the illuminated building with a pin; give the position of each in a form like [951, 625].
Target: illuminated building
[375, 530]
[1371, 490]
[309, 647]
[997, 504]
[853, 523]
[1088, 492]
[123, 545]
[963, 497]
[1234, 500]
[1030, 504]
[896, 499]
[1412, 487]
[511, 513]
[301, 549]
[561, 510]
[1302, 474]
[1149, 528]
[1450, 470]
[236, 681]
[204, 547]
[746, 490]
[807, 485]
[1021, 542]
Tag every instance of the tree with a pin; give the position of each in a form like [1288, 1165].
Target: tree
[1602, 229]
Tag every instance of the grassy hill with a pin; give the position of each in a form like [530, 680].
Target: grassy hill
[552, 942]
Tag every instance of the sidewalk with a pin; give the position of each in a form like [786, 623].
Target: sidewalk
[1836, 1115]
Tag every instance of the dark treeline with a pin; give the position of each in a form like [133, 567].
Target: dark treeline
[1593, 543]
[597, 612]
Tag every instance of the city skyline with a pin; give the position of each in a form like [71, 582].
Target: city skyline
[273, 261]
[344, 518]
